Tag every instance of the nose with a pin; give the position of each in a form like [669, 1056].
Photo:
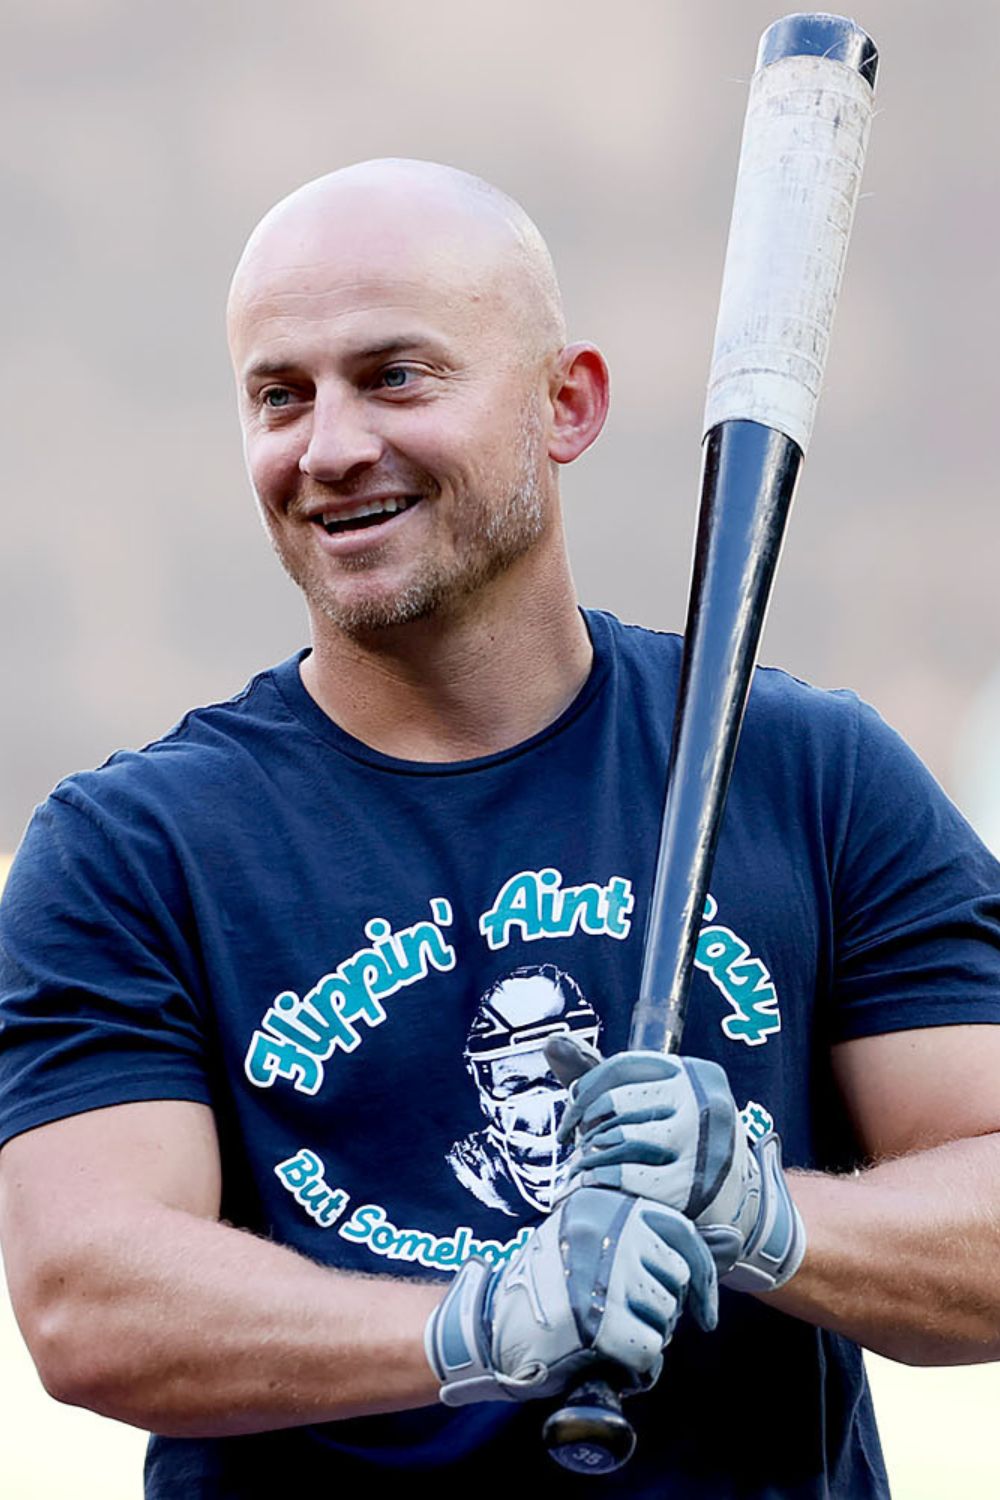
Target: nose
[341, 438]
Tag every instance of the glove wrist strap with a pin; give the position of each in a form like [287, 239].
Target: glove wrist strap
[455, 1339]
[456, 1342]
[775, 1249]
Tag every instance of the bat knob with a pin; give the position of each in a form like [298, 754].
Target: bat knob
[590, 1434]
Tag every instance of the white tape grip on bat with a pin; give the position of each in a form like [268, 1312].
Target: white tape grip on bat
[797, 185]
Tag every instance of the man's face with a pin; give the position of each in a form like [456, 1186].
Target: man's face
[394, 428]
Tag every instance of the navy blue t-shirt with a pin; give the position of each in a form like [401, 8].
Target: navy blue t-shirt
[356, 960]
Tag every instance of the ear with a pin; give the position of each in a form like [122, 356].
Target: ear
[579, 393]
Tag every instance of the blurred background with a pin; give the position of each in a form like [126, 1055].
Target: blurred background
[140, 143]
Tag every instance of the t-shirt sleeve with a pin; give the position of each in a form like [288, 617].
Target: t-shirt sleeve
[98, 989]
[916, 899]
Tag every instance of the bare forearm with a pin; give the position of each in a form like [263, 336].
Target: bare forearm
[902, 1258]
[188, 1327]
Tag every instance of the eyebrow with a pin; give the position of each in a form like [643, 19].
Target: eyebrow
[263, 369]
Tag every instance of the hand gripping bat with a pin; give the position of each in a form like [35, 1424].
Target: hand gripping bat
[804, 141]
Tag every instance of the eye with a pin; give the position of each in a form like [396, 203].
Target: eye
[275, 396]
[396, 377]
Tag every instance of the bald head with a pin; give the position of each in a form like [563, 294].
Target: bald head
[398, 223]
[407, 395]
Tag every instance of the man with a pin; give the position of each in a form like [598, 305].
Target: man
[243, 965]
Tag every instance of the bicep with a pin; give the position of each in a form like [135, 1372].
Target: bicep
[909, 1090]
[64, 1183]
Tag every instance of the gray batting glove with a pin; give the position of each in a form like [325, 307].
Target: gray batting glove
[667, 1128]
[601, 1280]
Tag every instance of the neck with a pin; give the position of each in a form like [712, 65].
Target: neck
[467, 683]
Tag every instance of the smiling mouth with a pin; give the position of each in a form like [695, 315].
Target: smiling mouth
[365, 515]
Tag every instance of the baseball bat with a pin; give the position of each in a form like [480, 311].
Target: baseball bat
[804, 141]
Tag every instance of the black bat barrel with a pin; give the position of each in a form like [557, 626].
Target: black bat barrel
[748, 480]
[749, 473]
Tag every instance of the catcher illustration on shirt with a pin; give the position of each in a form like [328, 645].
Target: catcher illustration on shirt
[516, 1159]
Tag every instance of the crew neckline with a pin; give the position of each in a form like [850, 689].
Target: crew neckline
[288, 682]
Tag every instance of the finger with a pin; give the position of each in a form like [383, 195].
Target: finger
[570, 1058]
[659, 1315]
[653, 1142]
[622, 1146]
[605, 1094]
[680, 1235]
[661, 1185]
[627, 1111]
[622, 1069]
[638, 1104]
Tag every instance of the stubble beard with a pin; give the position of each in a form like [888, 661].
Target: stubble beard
[496, 532]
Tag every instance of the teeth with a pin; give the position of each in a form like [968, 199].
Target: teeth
[387, 507]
